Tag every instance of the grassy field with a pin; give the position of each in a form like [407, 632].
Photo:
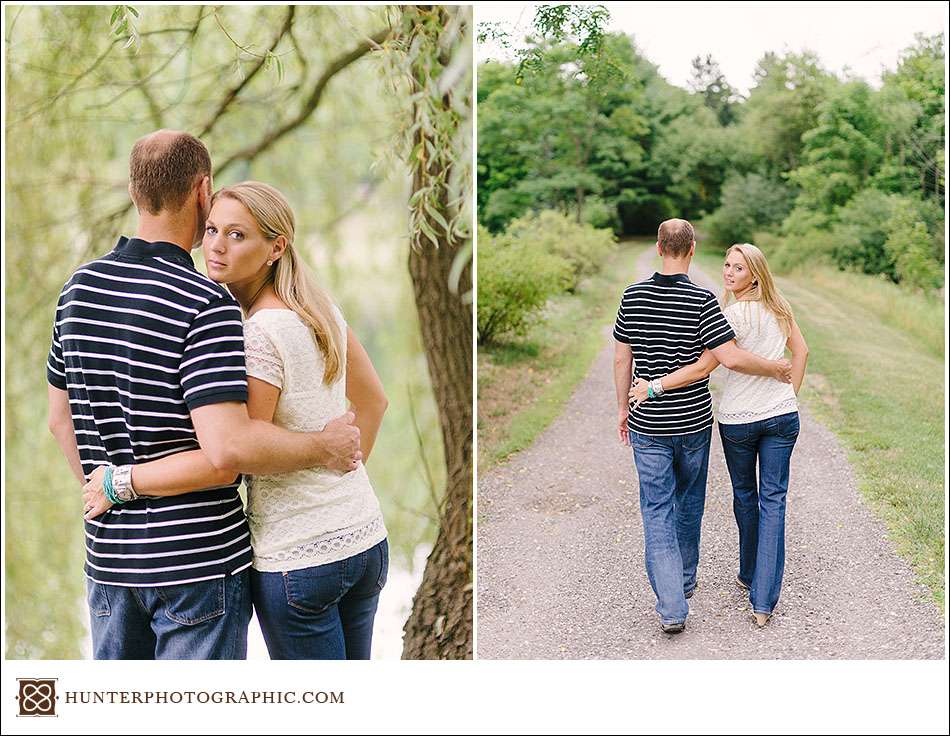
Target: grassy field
[523, 384]
[876, 376]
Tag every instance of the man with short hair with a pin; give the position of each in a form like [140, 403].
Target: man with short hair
[664, 323]
[147, 361]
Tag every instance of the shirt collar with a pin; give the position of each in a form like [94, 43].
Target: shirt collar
[138, 248]
[669, 280]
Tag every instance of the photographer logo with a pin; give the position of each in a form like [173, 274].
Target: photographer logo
[37, 697]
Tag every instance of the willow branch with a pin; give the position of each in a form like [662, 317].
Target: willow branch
[259, 64]
[187, 43]
[68, 88]
[335, 67]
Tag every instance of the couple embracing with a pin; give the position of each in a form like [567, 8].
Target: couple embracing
[165, 386]
[671, 334]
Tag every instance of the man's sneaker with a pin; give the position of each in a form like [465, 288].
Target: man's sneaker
[673, 628]
[741, 584]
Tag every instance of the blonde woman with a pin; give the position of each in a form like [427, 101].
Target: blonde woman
[758, 419]
[321, 555]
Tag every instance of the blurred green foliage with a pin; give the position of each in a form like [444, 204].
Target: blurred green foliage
[81, 87]
[803, 160]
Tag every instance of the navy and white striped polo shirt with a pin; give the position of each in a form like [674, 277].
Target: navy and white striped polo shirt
[140, 339]
[668, 321]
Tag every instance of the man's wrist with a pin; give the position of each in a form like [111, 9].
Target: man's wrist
[320, 454]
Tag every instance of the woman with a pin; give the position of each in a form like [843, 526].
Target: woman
[320, 549]
[758, 419]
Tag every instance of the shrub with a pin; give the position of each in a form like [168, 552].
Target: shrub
[911, 248]
[584, 247]
[876, 233]
[600, 214]
[872, 218]
[750, 203]
[502, 207]
[787, 252]
[515, 280]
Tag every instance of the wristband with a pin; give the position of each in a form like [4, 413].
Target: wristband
[107, 488]
[122, 484]
[650, 393]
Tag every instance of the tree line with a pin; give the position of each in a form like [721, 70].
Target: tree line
[809, 165]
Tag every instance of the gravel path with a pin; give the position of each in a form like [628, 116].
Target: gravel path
[560, 554]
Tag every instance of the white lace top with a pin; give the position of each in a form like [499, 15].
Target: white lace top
[314, 516]
[748, 398]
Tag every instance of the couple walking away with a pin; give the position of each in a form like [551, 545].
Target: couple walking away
[675, 334]
[161, 395]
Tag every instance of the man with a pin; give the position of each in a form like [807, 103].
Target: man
[147, 360]
[664, 323]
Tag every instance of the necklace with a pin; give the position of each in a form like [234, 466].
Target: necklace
[253, 300]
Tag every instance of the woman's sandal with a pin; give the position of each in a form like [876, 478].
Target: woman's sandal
[761, 619]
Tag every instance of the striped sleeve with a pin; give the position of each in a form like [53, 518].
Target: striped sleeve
[212, 364]
[621, 332]
[714, 330]
[55, 366]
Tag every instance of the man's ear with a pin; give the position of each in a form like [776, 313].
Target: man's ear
[692, 249]
[658, 251]
[204, 192]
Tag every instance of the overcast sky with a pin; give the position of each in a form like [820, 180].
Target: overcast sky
[865, 37]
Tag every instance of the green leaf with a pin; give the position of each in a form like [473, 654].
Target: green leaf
[434, 214]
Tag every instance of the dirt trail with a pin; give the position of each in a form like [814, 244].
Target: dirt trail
[560, 554]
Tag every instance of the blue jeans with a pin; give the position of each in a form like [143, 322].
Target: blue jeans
[760, 508]
[672, 473]
[204, 620]
[322, 612]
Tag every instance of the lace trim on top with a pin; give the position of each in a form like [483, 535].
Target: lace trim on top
[330, 545]
[261, 355]
[741, 417]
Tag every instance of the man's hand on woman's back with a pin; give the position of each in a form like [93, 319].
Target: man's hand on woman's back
[342, 438]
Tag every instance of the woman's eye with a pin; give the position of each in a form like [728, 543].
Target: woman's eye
[236, 235]
[210, 230]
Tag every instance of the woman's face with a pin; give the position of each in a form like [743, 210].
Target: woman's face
[235, 249]
[736, 275]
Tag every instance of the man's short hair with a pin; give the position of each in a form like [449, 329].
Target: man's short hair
[163, 169]
[675, 238]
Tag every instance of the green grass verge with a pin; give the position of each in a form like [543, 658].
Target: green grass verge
[524, 384]
[876, 377]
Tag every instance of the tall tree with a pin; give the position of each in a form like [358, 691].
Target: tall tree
[710, 83]
[434, 54]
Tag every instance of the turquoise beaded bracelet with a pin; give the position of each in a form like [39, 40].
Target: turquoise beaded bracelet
[107, 487]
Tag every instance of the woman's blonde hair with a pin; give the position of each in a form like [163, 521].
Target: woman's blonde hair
[763, 287]
[292, 282]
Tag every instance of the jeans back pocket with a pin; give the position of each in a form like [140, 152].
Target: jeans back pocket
[789, 425]
[315, 589]
[193, 603]
[97, 595]
[383, 564]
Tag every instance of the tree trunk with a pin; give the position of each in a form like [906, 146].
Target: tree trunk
[440, 626]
